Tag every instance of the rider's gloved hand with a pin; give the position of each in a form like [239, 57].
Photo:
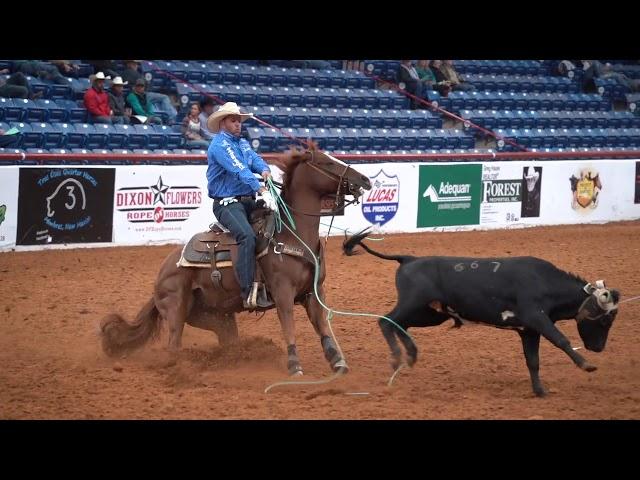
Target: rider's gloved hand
[269, 201]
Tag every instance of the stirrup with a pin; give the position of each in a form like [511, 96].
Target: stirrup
[257, 298]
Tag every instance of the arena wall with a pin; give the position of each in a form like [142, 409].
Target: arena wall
[75, 206]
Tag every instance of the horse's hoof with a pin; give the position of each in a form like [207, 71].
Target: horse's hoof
[588, 367]
[297, 373]
[341, 367]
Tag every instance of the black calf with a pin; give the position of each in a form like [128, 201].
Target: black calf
[525, 294]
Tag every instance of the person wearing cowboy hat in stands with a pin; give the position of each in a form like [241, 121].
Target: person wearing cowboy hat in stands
[96, 101]
[121, 112]
[161, 101]
[233, 186]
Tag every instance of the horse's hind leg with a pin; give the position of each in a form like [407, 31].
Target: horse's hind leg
[173, 305]
[226, 328]
[316, 314]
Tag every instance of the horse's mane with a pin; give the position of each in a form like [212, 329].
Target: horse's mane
[289, 161]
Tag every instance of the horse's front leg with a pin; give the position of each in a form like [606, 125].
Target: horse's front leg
[283, 296]
[318, 318]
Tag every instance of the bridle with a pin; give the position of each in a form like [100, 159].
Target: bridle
[333, 176]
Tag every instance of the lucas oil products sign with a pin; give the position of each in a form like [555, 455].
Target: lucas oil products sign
[65, 205]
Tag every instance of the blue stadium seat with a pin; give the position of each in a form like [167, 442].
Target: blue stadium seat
[15, 110]
[329, 117]
[23, 128]
[360, 118]
[4, 104]
[53, 136]
[77, 135]
[55, 113]
[97, 136]
[282, 118]
[156, 139]
[326, 98]
[173, 138]
[36, 111]
[310, 97]
[264, 96]
[299, 118]
[343, 118]
[139, 137]
[32, 135]
[315, 117]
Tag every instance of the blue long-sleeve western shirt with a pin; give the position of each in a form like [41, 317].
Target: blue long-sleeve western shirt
[232, 163]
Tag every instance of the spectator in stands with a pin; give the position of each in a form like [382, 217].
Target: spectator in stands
[428, 78]
[357, 65]
[7, 140]
[42, 70]
[17, 86]
[65, 67]
[207, 107]
[408, 75]
[141, 105]
[121, 113]
[597, 69]
[565, 66]
[132, 74]
[233, 186]
[456, 81]
[317, 64]
[436, 68]
[191, 126]
[96, 101]
[106, 66]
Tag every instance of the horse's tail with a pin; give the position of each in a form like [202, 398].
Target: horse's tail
[119, 336]
[356, 239]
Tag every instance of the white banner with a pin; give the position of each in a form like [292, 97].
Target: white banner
[8, 206]
[160, 204]
[588, 191]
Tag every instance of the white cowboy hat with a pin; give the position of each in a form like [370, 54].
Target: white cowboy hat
[100, 76]
[118, 81]
[229, 108]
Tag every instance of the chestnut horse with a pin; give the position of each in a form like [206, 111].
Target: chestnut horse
[185, 294]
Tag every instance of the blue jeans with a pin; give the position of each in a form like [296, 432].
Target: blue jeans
[235, 218]
[164, 104]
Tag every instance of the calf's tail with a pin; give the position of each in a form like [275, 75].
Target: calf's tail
[350, 243]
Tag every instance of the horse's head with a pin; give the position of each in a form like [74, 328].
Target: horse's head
[332, 175]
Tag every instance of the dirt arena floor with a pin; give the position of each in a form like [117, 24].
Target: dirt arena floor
[52, 366]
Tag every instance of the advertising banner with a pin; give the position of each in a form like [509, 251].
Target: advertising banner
[160, 203]
[588, 191]
[65, 205]
[449, 195]
[510, 191]
[8, 206]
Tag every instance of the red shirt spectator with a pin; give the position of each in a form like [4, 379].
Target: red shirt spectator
[96, 99]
